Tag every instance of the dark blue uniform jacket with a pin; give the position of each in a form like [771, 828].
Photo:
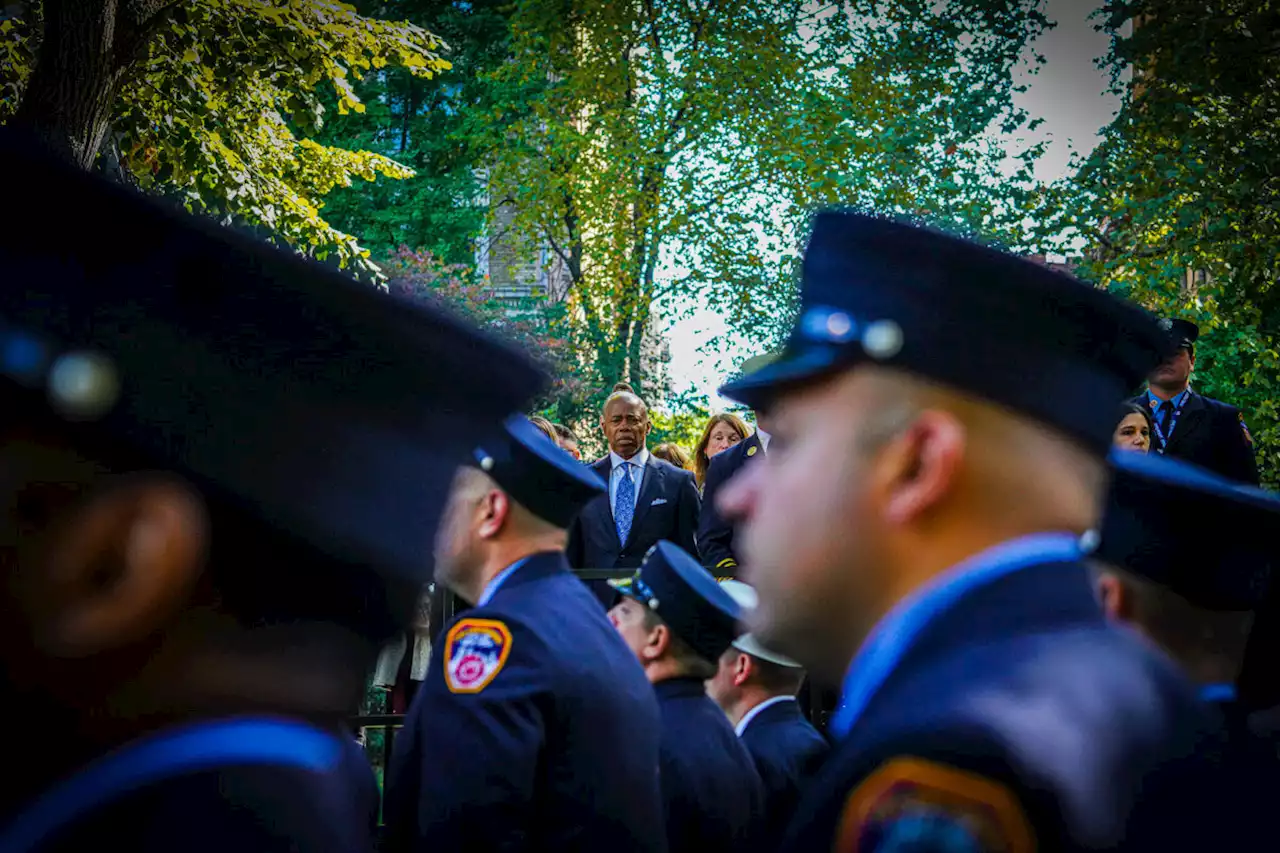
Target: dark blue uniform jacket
[535, 729]
[714, 800]
[788, 752]
[1017, 719]
[245, 803]
[1211, 434]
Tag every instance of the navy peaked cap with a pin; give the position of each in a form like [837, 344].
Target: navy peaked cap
[1207, 539]
[965, 315]
[688, 598]
[1182, 334]
[537, 474]
[321, 406]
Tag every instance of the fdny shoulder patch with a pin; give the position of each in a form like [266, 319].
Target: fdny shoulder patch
[1245, 429]
[475, 650]
[913, 804]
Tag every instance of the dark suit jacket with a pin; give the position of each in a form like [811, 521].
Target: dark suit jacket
[715, 533]
[666, 509]
[1209, 433]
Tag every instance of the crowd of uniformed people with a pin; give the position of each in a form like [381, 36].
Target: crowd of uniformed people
[932, 603]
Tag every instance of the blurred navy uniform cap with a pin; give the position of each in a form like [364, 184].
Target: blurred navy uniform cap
[965, 315]
[687, 597]
[1207, 539]
[1182, 334]
[537, 474]
[328, 409]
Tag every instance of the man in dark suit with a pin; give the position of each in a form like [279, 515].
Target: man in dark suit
[917, 532]
[677, 621]
[536, 728]
[648, 500]
[1190, 426]
[193, 628]
[756, 688]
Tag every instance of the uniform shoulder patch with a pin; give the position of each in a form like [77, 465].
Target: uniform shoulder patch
[475, 650]
[913, 804]
[1243, 428]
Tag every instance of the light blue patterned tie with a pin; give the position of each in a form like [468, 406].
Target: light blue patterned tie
[624, 505]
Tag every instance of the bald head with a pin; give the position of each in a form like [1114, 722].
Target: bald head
[876, 481]
[1001, 454]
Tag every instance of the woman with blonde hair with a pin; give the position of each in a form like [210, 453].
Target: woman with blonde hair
[673, 453]
[721, 432]
[546, 426]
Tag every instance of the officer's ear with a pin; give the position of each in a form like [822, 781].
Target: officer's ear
[917, 469]
[743, 667]
[1116, 600]
[495, 509]
[657, 644]
[119, 568]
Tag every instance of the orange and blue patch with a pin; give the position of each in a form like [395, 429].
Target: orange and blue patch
[475, 651]
[913, 804]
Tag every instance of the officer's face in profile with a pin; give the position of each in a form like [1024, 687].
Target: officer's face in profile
[812, 518]
[628, 618]
[458, 546]
[1174, 371]
[731, 671]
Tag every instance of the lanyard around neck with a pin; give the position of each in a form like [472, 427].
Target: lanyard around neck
[1177, 402]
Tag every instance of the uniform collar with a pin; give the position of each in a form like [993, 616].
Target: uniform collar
[764, 439]
[640, 460]
[540, 564]
[1177, 399]
[1217, 693]
[492, 587]
[755, 712]
[683, 686]
[897, 632]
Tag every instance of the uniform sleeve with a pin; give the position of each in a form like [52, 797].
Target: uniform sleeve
[687, 518]
[715, 534]
[922, 806]
[482, 732]
[1238, 462]
[574, 549]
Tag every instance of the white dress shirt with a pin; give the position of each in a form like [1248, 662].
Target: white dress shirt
[764, 439]
[638, 463]
[754, 712]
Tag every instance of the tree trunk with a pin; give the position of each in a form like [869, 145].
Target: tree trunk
[87, 48]
[69, 97]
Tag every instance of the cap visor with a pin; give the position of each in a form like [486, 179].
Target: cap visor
[626, 586]
[796, 365]
[747, 643]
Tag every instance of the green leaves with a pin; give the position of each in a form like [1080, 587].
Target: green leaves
[1179, 205]
[209, 111]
